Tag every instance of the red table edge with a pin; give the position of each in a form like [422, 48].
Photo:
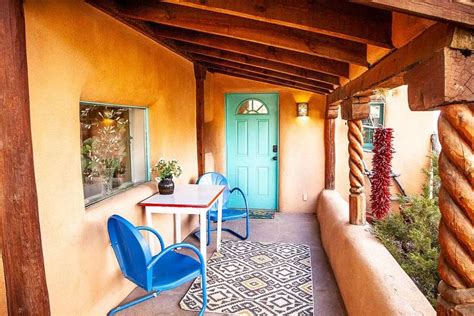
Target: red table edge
[181, 205]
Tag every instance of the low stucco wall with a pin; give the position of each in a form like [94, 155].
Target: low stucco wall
[370, 280]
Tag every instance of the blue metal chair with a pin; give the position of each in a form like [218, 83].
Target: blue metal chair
[153, 273]
[227, 214]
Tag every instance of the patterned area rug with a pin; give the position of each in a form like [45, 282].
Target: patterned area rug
[254, 278]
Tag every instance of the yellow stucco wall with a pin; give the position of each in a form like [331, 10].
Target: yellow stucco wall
[412, 132]
[77, 53]
[301, 165]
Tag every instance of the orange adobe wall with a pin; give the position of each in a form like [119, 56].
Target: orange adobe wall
[301, 150]
[76, 52]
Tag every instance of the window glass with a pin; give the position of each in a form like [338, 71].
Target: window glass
[375, 119]
[252, 106]
[113, 149]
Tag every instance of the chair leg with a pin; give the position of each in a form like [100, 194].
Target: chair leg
[132, 303]
[247, 229]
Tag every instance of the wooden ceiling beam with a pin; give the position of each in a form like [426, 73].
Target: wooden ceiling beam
[260, 78]
[250, 30]
[269, 73]
[257, 62]
[461, 12]
[265, 76]
[335, 18]
[315, 63]
[108, 7]
[388, 73]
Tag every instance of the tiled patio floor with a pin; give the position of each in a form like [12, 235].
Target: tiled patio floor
[286, 227]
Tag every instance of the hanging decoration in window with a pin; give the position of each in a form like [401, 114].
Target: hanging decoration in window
[252, 106]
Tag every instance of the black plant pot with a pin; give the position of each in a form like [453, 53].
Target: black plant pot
[166, 186]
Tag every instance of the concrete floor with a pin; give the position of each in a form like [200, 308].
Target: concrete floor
[286, 227]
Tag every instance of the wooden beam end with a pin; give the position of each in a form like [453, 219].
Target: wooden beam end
[351, 109]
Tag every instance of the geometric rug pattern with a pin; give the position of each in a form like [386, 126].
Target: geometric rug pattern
[256, 278]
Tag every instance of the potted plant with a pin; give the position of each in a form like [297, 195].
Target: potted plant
[166, 170]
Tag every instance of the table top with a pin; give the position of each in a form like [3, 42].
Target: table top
[186, 195]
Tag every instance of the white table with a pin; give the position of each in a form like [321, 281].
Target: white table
[187, 199]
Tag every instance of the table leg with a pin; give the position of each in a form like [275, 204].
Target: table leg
[219, 222]
[203, 236]
[149, 223]
[177, 226]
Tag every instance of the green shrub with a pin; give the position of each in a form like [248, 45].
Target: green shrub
[411, 235]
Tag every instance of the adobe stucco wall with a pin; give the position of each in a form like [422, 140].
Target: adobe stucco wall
[301, 150]
[370, 281]
[77, 53]
[412, 132]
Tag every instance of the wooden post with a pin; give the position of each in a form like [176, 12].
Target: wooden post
[354, 110]
[329, 148]
[200, 75]
[456, 203]
[451, 88]
[25, 279]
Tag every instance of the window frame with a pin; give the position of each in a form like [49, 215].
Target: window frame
[252, 114]
[147, 146]
[369, 146]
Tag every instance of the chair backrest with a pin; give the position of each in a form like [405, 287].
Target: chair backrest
[132, 251]
[216, 179]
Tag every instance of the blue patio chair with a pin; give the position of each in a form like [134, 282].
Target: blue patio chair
[227, 214]
[153, 273]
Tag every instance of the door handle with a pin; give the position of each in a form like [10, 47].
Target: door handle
[275, 158]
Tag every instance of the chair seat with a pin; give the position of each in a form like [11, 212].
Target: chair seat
[227, 214]
[174, 269]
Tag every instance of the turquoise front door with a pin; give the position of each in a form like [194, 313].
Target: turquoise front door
[252, 148]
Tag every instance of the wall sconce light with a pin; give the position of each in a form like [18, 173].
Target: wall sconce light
[302, 109]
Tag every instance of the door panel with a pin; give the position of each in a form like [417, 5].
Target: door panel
[252, 132]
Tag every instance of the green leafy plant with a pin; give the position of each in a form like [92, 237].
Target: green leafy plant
[411, 235]
[102, 154]
[168, 169]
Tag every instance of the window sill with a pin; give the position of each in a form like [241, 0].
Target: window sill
[91, 201]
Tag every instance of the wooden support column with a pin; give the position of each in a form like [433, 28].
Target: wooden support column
[200, 75]
[354, 110]
[22, 255]
[446, 81]
[329, 147]
[456, 203]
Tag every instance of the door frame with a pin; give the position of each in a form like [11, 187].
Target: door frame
[277, 140]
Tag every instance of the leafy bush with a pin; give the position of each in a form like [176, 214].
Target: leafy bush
[411, 235]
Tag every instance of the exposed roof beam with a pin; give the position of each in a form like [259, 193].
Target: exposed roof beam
[289, 57]
[251, 31]
[455, 11]
[108, 7]
[335, 18]
[264, 79]
[274, 74]
[257, 62]
[389, 71]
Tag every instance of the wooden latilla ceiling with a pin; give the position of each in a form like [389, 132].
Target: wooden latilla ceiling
[307, 45]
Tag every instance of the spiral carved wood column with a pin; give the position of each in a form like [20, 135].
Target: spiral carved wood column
[356, 173]
[354, 110]
[456, 202]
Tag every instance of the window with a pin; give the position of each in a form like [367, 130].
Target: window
[375, 119]
[252, 106]
[114, 149]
